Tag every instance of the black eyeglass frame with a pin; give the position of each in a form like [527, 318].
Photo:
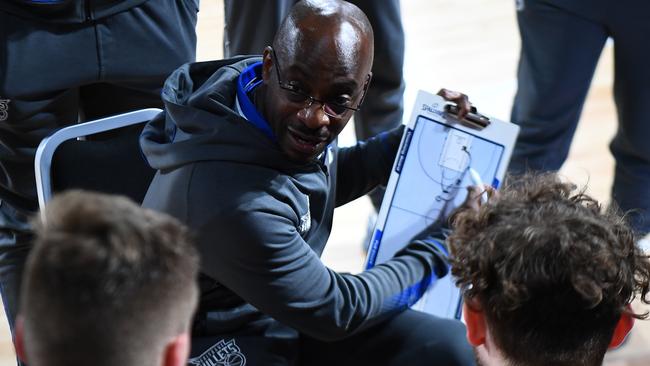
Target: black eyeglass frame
[310, 100]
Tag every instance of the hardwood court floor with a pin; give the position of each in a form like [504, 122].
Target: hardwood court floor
[471, 46]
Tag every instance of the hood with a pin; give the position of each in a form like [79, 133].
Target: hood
[200, 122]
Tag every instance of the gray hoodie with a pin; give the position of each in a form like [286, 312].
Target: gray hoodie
[262, 221]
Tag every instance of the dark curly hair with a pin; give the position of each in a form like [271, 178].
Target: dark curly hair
[551, 270]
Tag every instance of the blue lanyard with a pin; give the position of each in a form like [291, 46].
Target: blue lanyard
[248, 80]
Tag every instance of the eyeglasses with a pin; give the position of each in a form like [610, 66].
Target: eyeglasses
[304, 100]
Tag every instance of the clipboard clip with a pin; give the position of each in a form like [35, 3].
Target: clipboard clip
[473, 119]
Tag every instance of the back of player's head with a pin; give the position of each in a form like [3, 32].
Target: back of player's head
[550, 270]
[107, 283]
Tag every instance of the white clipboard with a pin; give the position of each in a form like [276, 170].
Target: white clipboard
[429, 179]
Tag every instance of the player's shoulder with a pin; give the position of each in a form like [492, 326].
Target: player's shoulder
[227, 189]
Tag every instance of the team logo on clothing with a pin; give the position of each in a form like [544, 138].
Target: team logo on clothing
[4, 109]
[221, 354]
[305, 220]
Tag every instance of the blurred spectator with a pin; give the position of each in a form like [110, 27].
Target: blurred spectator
[560, 45]
[65, 61]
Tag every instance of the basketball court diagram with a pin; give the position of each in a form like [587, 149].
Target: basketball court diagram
[439, 172]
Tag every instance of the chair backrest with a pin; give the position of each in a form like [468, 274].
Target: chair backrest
[102, 155]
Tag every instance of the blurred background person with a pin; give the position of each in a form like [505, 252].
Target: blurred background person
[561, 42]
[63, 62]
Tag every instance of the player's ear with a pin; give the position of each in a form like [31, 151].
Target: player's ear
[623, 328]
[177, 350]
[19, 339]
[475, 322]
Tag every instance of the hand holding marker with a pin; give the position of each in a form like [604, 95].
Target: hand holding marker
[476, 179]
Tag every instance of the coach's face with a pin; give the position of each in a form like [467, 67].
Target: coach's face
[314, 81]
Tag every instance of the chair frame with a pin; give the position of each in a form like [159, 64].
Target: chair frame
[49, 145]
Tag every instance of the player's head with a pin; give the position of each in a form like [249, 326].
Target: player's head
[548, 276]
[316, 75]
[107, 283]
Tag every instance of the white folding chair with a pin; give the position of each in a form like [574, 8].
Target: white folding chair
[97, 163]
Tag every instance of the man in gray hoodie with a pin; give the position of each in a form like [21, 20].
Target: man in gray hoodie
[246, 155]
